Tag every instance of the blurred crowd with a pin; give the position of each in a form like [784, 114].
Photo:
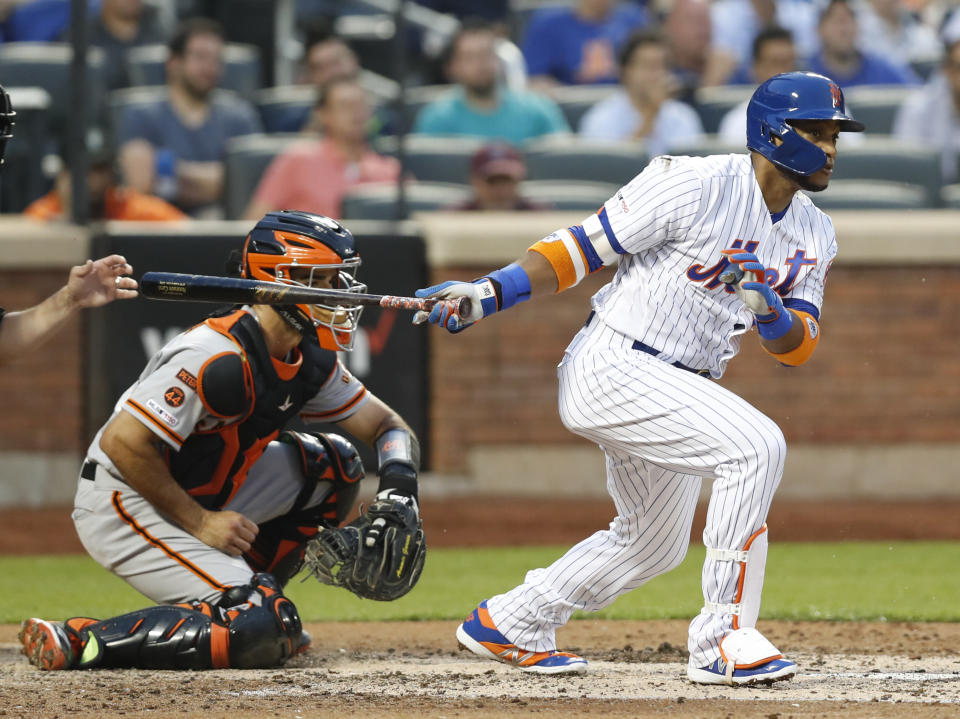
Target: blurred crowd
[198, 118]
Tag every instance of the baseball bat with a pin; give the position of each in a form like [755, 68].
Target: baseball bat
[233, 290]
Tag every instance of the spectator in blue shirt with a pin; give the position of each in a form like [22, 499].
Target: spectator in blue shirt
[480, 105]
[175, 147]
[34, 20]
[579, 45]
[842, 61]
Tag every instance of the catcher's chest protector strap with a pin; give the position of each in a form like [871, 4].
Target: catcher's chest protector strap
[230, 634]
[753, 562]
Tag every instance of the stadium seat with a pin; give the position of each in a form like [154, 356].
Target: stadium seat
[569, 194]
[712, 103]
[870, 195]
[876, 105]
[434, 158]
[241, 71]
[883, 158]
[247, 158]
[708, 145]
[951, 196]
[23, 179]
[285, 108]
[379, 201]
[566, 158]
[575, 100]
[925, 68]
[47, 65]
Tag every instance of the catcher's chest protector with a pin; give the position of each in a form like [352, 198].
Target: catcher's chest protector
[247, 385]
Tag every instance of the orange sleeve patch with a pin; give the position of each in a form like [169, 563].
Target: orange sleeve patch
[558, 257]
[811, 337]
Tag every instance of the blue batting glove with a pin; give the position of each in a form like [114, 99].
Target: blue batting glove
[483, 300]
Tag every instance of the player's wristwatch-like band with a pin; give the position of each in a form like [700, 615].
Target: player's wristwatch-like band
[775, 325]
[398, 461]
[503, 288]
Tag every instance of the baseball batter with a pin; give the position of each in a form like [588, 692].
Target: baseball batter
[637, 379]
[193, 494]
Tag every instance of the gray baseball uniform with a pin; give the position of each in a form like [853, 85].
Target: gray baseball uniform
[123, 532]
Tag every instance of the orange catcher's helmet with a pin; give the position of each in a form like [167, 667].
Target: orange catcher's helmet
[299, 248]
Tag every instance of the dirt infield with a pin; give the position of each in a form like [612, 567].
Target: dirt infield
[636, 668]
[413, 670]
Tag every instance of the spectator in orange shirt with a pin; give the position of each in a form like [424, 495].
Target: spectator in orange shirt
[108, 201]
[315, 174]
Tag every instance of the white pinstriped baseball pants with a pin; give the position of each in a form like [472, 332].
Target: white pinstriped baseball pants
[662, 430]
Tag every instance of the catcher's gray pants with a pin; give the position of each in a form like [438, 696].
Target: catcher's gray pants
[124, 532]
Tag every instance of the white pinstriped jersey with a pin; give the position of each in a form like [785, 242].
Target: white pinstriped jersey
[667, 227]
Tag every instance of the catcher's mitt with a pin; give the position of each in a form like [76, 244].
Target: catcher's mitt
[378, 556]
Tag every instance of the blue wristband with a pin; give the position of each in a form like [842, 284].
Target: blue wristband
[775, 325]
[514, 285]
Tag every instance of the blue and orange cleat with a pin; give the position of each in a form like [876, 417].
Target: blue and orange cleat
[479, 634]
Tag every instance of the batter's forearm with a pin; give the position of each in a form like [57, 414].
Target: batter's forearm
[788, 342]
[543, 278]
[797, 345]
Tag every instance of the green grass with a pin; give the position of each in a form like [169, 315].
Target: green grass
[895, 581]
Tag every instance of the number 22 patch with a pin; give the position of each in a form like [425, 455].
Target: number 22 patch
[174, 396]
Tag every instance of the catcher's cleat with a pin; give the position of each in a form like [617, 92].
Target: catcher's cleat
[479, 635]
[776, 670]
[46, 644]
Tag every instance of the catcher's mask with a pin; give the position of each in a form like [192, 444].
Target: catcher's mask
[6, 121]
[299, 248]
[794, 96]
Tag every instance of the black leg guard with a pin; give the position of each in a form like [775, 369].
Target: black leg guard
[262, 636]
[278, 548]
[162, 637]
[253, 626]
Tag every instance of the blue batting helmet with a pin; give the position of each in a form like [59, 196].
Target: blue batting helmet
[794, 96]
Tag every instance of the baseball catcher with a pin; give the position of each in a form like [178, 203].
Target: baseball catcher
[194, 494]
